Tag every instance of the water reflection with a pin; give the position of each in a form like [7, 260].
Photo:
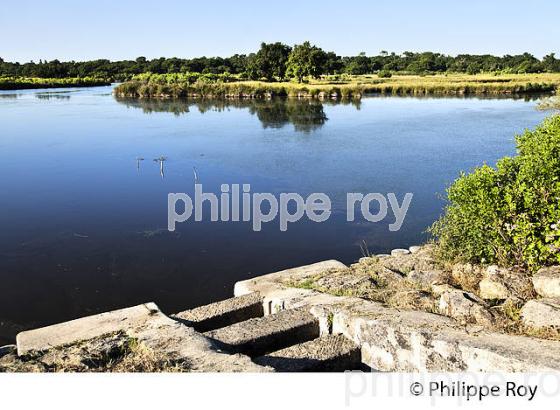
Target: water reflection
[138, 160]
[53, 95]
[161, 160]
[305, 115]
[47, 96]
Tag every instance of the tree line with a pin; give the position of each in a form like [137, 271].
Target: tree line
[277, 61]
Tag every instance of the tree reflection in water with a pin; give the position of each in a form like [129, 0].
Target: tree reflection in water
[306, 115]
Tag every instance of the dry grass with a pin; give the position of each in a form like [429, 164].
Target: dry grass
[459, 83]
[115, 352]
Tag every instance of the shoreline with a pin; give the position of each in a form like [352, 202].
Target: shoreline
[335, 97]
[163, 86]
[276, 315]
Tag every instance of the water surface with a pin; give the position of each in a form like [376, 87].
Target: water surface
[83, 222]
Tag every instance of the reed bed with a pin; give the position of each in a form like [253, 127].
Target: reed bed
[350, 87]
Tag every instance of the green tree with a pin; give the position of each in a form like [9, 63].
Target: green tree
[306, 60]
[333, 63]
[474, 68]
[269, 62]
[550, 63]
[359, 65]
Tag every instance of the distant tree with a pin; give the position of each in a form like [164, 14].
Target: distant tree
[549, 62]
[527, 63]
[359, 65]
[272, 61]
[426, 63]
[474, 68]
[393, 62]
[237, 63]
[306, 60]
[333, 63]
[269, 62]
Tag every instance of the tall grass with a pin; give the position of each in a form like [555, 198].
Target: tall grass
[462, 84]
[177, 88]
[227, 86]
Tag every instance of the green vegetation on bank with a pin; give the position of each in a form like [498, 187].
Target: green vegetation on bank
[18, 83]
[179, 85]
[508, 214]
[278, 62]
[335, 86]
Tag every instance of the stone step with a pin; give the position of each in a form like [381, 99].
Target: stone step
[255, 337]
[85, 328]
[329, 353]
[222, 313]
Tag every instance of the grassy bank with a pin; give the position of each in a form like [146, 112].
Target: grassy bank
[344, 86]
[479, 84]
[21, 83]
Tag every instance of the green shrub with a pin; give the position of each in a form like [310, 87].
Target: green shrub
[510, 214]
[384, 74]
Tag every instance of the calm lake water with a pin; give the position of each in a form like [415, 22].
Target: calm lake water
[83, 223]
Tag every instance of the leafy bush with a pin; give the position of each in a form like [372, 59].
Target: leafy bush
[509, 214]
[384, 74]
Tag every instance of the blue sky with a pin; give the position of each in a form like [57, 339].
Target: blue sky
[74, 30]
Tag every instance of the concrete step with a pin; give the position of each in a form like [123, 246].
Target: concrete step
[222, 313]
[329, 353]
[255, 337]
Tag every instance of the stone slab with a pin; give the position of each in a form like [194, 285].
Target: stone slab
[256, 337]
[85, 328]
[150, 327]
[222, 313]
[542, 313]
[397, 252]
[329, 353]
[547, 282]
[301, 272]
